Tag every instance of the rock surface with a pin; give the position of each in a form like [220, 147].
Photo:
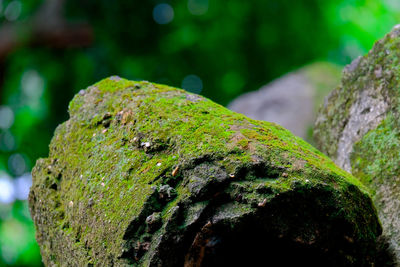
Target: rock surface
[148, 175]
[292, 100]
[359, 128]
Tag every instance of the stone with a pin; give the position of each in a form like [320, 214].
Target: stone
[358, 127]
[229, 190]
[293, 100]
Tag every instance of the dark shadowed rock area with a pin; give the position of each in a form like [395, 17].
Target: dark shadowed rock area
[292, 100]
[149, 175]
[359, 128]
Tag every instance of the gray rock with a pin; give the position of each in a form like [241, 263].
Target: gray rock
[291, 100]
[358, 127]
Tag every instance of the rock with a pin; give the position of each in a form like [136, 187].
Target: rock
[359, 128]
[292, 100]
[177, 180]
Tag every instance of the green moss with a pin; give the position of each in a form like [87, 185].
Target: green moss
[375, 156]
[368, 100]
[131, 148]
[378, 70]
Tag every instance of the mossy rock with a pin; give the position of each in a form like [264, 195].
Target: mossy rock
[359, 127]
[144, 174]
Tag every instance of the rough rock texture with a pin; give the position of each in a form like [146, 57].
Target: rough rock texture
[359, 128]
[148, 175]
[292, 100]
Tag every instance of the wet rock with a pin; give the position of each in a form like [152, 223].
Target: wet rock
[359, 128]
[292, 100]
[220, 189]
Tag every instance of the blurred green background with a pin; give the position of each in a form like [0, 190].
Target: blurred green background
[51, 49]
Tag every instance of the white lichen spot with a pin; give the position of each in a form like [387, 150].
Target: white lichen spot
[115, 78]
[378, 71]
[145, 144]
[71, 204]
[159, 164]
[263, 203]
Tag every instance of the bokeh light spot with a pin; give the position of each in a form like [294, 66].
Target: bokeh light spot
[198, 7]
[14, 239]
[393, 4]
[6, 189]
[22, 185]
[163, 13]
[192, 83]
[13, 10]
[7, 141]
[32, 84]
[17, 164]
[6, 117]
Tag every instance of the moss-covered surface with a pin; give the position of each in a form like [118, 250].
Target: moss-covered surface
[370, 85]
[144, 174]
[375, 160]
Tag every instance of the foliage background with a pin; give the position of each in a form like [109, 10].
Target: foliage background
[217, 48]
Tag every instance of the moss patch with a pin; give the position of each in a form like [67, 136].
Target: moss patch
[141, 168]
